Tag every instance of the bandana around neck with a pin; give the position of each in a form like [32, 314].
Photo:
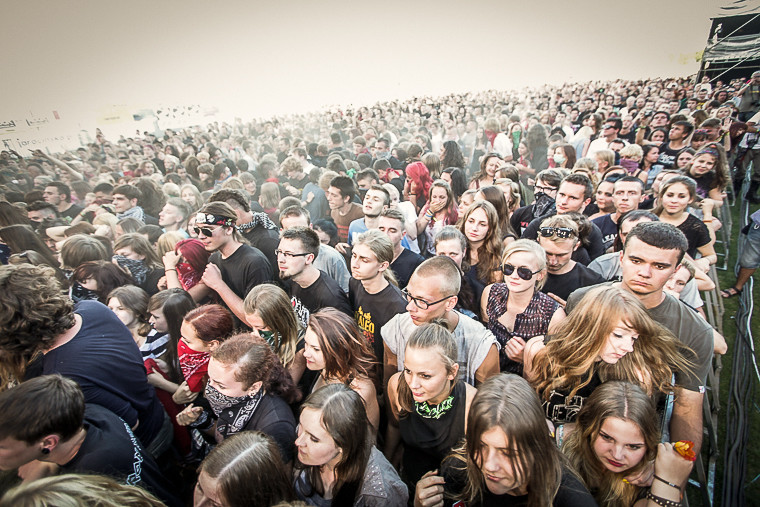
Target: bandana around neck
[135, 212]
[259, 219]
[434, 411]
[233, 412]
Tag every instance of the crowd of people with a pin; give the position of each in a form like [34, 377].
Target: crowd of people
[479, 299]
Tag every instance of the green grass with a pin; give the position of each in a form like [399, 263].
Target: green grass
[727, 279]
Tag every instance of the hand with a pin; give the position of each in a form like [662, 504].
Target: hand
[436, 207]
[703, 263]
[40, 154]
[189, 415]
[670, 465]
[514, 349]
[36, 470]
[183, 394]
[162, 284]
[309, 197]
[342, 247]
[558, 299]
[212, 277]
[645, 476]
[429, 490]
[171, 259]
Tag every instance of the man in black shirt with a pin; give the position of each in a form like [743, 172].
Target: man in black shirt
[627, 194]
[310, 289]
[558, 236]
[256, 227]
[45, 419]
[547, 183]
[234, 268]
[393, 224]
[374, 299]
[670, 149]
[59, 195]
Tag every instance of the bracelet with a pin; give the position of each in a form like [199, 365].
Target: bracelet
[662, 501]
[707, 221]
[172, 269]
[668, 483]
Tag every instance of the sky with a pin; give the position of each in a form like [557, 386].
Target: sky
[254, 59]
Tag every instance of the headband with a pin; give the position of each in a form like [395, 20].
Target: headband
[209, 219]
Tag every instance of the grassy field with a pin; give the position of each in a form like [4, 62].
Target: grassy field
[727, 279]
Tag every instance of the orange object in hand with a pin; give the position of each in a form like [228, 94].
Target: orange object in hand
[686, 449]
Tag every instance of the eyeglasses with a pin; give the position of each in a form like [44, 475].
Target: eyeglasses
[522, 271]
[541, 188]
[290, 254]
[205, 230]
[560, 232]
[608, 126]
[421, 303]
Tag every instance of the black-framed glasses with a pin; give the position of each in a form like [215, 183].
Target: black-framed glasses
[208, 232]
[290, 254]
[560, 232]
[546, 190]
[421, 303]
[522, 271]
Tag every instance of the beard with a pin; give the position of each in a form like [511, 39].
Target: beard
[284, 275]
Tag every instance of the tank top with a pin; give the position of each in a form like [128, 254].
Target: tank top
[534, 321]
[427, 440]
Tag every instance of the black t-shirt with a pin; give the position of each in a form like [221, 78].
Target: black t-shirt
[72, 212]
[323, 293]
[403, 267]
[608, 229]
[266, 241]
[105, 361]
[372, 311]
[110, 448]
[564, 285]
[696, 233]
[274, 418]
[246, 268]
[571, 492]
[668, 156]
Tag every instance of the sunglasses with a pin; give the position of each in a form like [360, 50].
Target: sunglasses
[560, 232]
[522, 271]
[208, 232]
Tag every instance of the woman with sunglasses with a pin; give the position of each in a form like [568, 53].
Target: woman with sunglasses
[428, 402]
[515, 311]
[608, 336]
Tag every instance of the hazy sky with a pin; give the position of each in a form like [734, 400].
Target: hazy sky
[259, 58]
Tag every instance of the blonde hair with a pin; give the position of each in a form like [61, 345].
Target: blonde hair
[167, 241]
[78, 490]
[531, 247]
[568, 361]
[382, 247]
[633, 152]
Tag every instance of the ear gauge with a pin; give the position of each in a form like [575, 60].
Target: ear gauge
[45, 450]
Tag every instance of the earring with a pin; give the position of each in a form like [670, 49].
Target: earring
[45, 450]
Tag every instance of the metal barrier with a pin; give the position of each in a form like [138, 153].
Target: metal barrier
[744, 372]
[723, 236]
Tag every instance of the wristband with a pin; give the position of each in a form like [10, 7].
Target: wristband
[706, 221]
[676, 486]
[172, 269]
[662, 501]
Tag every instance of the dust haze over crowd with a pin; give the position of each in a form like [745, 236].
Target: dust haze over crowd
[254, 59]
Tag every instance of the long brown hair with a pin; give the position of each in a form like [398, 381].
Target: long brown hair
[623, 400]
[508, 402]
[345, 419]
[489, 253]
[569, 359]
[346, 351]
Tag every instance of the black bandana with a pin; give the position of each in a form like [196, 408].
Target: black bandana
[233, 413]
[259, 219]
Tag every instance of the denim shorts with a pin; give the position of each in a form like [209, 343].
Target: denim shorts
[751, 254]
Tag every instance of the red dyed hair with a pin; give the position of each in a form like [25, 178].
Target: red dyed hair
[211, 322]
[194, 253]
[419, 174]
